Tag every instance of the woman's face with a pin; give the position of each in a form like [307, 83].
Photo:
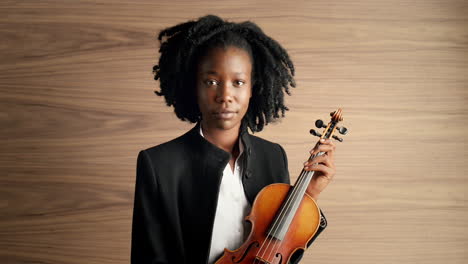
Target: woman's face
[224, 87]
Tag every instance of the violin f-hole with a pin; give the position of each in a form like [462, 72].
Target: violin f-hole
[255, 243]
[278, 255]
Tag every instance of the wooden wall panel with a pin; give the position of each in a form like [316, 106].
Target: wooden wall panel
[77, 105]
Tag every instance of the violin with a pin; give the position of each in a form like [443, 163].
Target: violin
[283, 217]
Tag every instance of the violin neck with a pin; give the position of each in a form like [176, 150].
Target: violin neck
[306, 176]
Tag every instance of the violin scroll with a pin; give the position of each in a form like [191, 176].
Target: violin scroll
[336, 117]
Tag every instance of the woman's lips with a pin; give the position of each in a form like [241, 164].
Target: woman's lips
[225, 114]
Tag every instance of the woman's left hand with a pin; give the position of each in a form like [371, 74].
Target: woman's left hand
[323, 165]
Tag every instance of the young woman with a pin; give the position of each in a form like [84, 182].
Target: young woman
[193, 192]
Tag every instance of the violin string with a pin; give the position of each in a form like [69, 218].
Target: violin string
[298, 193]
[282, 214]
[293, 196]
[306, 174]
[279, 220]
[274, 229]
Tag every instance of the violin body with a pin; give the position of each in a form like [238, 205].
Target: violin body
[260, 247]
[284, 218]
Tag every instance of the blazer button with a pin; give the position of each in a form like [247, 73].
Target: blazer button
[248, 174]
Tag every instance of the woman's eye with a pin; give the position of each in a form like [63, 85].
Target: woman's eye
[239, 82]
[212, 82]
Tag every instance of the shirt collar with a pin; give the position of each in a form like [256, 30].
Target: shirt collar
[241, 145]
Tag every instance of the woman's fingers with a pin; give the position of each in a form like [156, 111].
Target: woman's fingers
[322, 170]
[325, 163]
[323, 159]
[327, 146]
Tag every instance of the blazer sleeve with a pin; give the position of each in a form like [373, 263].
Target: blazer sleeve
[323, 221]
[148, 238]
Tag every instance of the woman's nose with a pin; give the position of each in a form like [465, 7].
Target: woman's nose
[224, 93]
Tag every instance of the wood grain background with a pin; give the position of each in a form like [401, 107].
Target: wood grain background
[77, 105]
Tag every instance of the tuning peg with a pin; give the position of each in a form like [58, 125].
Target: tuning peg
[337, 138]
[315, 133]
[342, 130]
[319, 124]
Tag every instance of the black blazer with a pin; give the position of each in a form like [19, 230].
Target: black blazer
[176, 190]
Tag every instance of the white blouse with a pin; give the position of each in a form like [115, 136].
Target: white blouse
[229, 224]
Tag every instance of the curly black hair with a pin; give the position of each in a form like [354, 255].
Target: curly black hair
[186, 43]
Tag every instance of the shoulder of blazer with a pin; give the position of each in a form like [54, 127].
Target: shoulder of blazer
[185, 147]
[173, 147]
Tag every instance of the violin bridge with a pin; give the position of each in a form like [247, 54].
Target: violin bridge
[262, 260]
